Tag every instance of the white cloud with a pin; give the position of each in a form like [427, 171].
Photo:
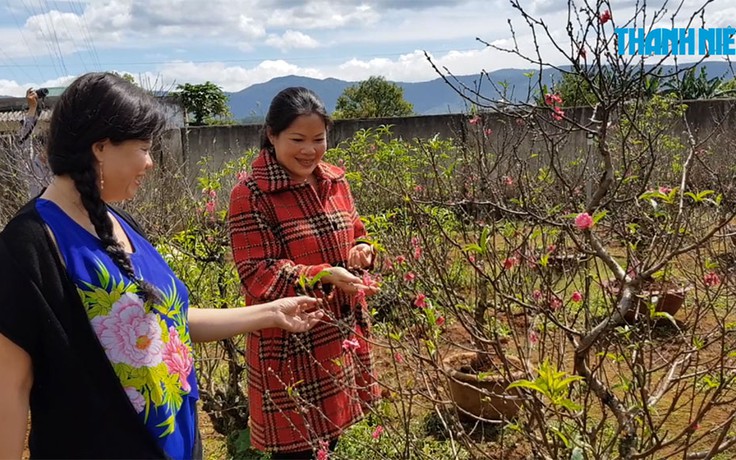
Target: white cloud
[346, 33]
[231, 78]
[291, 39]
[319, 14]
[13, 88]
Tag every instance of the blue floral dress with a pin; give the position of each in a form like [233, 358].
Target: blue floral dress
[148, 344]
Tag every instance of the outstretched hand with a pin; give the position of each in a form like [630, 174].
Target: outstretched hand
[347, 282]
[360, 256]
[297, 314]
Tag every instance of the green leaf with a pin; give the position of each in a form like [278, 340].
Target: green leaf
[529, 385]
[598, 216]
[560, 435]
[316, 278]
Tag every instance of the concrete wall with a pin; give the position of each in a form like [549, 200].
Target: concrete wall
[225, 142]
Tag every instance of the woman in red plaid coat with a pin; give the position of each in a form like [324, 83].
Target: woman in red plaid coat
[294, 216]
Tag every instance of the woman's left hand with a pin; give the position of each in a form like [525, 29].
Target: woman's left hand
[360, 256]
[297, 314]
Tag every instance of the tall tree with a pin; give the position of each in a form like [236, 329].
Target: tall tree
[373, 98]
[204, 102]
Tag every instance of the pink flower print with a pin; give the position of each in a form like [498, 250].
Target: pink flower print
[537, 295]
[420, 301]
[417, 253]
[410, 277]
[350, 344]
[129, 335]
[213, 194]
[605, 16]
[475, 120]
[139, 403]
[665, 190]
[555, 303]
[178, 358]
[533, 337]
[377, 432]
[507, 180]
[242, 176]
[419, 189]
[584, 221]
[471, 258]
[576, 297]
[711, 279]
[440, 321]
[400, 260]
[399, 358]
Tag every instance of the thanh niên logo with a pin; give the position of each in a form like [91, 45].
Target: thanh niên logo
[676, 41]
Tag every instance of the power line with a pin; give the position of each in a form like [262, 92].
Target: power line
[23, 37]
[50, 22]
[86, 35]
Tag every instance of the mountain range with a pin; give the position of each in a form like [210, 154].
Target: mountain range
[428, 97]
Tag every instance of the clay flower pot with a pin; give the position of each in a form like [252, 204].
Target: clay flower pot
[667, 297]
[485, 398]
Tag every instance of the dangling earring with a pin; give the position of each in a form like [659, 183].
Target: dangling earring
[102, 179]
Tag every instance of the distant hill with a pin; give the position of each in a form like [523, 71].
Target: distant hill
[428, 97]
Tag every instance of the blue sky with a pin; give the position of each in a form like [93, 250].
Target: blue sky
[237, 43]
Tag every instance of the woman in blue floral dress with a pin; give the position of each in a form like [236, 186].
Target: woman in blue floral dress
[95, 329]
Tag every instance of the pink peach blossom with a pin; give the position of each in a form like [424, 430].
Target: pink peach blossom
[350, 344]
[576, 297]
[605, 16]
[509, 263]
[420, 301]
[324, 451]
[584, 221]
[711, 279]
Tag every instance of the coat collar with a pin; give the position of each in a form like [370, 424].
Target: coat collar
[272, 177]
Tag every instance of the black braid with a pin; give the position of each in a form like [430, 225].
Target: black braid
[86, 183]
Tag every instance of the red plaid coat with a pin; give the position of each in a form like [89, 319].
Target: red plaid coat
[302, 387]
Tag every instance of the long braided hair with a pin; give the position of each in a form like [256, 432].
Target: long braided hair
[98, 106]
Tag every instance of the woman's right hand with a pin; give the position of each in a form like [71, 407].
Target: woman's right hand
[347, 282]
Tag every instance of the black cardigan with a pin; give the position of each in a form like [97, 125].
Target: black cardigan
[79, 409]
